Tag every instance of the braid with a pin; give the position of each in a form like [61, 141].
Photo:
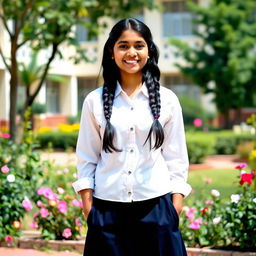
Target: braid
[151, 78]
[109, 133]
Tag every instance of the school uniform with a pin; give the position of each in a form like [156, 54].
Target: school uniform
[132, 212]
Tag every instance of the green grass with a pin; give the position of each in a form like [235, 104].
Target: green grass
[224, 180]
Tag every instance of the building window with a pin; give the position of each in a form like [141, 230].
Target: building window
[82, 34]
[85, 85]
[52, 97]
[177, 20]
[182, 86]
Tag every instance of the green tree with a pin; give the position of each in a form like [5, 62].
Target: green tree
[47, 25]
[223, 62]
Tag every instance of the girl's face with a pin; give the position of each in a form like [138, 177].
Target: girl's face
[130, 52]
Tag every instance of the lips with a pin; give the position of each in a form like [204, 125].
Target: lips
[131, 62]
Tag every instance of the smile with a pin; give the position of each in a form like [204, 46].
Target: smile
[131, 61]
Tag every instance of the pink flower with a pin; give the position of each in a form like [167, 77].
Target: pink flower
[5, 169]
[6, 135]
[35, 215]
[207, 180]
[209, 202]
[75, 202]
[198, 122]
[190, 215]
[40, 204]
[60, 190]
[66, 170]
[46, 192]
[33, 224]
[194, 225]
[62, 206]
[8, 238]
[67, 233]
[44, 212]
[27, 205]
[241, 166]
[246, 178]
[78, 222]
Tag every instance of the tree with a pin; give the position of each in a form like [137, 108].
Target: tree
[49, 24]
[224, 60]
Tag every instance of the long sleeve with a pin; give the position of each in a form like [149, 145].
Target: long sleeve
[174, 150]
[88, 148]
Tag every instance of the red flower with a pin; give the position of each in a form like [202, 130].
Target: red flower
[204, 210]
[246, 178]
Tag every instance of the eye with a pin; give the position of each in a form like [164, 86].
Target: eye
[122, 46]
[139, 46]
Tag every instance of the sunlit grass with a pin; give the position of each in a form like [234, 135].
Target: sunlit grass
[224, 180]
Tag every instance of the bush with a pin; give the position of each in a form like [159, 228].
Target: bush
[20, 172]
[59, 213]
[197, 150]
[215, 223]
[57, 139]
[227, 144]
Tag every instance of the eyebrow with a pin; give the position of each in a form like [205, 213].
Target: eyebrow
[126, 42]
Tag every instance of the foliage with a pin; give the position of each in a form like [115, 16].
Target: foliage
[227, 144]
[57, 140]
[212, 222]
[252, 157]
[19, 177]
[59, 213]
[191, 110]
[222, 61]
[197, 150]
[49, 25]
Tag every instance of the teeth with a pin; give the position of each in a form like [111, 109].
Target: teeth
[131, 61]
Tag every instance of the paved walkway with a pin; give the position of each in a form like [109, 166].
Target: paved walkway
[28, 252]
[214, 161]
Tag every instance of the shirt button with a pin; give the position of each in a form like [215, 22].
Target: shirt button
[132, 108]
[131, 151]
[129, 172]
[129, 193]
[131, 129]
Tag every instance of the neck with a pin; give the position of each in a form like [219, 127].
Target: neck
[131, 83]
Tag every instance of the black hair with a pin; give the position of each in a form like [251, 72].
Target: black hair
[150, 76]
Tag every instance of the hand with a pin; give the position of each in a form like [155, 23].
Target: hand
[177, 200]
[86, 196]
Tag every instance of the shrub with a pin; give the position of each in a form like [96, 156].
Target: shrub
[226, 144]
[198, 149]
[216, 223]
[57, 139]
[19, 176]
[59, 213]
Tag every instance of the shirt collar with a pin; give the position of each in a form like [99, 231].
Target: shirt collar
[119, 89]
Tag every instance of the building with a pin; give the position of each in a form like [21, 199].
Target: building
[64, 100]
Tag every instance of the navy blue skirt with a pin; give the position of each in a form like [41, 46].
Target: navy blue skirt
[145, 228]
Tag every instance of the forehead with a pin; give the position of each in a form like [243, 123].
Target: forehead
[130, 35]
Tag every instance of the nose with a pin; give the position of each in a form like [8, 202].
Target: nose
[132, 52]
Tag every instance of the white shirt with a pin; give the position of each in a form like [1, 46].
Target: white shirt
[137, 173]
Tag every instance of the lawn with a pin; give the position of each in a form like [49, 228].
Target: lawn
[224, 180]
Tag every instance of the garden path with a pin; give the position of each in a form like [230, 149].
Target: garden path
[29, 252]
[211, 162]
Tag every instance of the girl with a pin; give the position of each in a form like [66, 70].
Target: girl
[132, 157]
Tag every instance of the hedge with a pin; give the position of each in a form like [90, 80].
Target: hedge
[199, 144]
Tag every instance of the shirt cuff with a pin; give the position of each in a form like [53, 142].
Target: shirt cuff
[180, 188]
[83, 183]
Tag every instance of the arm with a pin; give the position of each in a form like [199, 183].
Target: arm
[88, 153]
[174, 151]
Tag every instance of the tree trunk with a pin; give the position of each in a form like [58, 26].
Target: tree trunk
[227, 124]
[13, 90]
